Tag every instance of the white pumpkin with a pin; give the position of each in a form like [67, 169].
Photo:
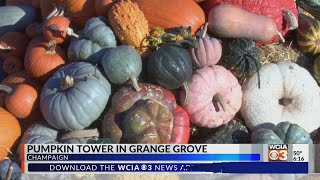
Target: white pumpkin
[288, 93]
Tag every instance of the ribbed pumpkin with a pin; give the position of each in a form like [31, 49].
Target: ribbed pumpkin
[12, 64]
[170, 66]
[308, 34]
[43, 59]
[20, 100]
[21, 77]
[10, 131]
[172, 13]
[129, 24]
[242, 57]
[57, 28]
[13, 44]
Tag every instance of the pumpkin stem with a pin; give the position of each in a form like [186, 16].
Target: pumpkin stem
[5, 48]
[70, 32]
[6, 88]
[52, 47]
[290, 18]
[87, 133]
[135, 83]
[285, 101]
[10, 172]
[205, 29]
[66, 82]
[280, 36]
[217, 97]
[186, 88]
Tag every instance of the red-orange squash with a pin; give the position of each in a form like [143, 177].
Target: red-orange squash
[10, 131]
[57, 28]
[20, 100]
[12, 64]
[13, 44]
[172, 13]
[43, 59]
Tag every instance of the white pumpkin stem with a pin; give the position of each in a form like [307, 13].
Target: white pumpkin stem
[66, 82]
[81, 134]
[291, 19]
[217, 97]
[186, 88]
[280, 36]
[205, 29]
[6, 88]
[52, 47]
[9, 172]
[70, 32]
[135, 83]
[5, 48]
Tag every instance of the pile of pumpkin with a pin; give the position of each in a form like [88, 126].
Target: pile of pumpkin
[145, 71]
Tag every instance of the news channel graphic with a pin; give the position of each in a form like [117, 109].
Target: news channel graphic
[165, 158]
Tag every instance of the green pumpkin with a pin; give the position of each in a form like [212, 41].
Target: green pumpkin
[170, 66]
[311, 6]
[282, 133]
[121, 64]
[92, 41]
[241, 57]
[308, 34]
[234, 132]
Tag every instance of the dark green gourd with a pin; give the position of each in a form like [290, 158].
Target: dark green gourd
[170, 66]
[121, 64]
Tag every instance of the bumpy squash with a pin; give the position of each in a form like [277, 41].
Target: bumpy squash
[150, 122]
[10, 131]
[95, 36]
[125, 98]
[164, 13]
[74, 96]
[16, 18]
[129, 24]
[121, 64]
[282, 133]
[308, 36]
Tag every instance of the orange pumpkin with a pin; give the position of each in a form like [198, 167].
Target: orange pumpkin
[33, 30]
[20, 100]
[172, 13]
[79, 11]
[43, 59]
[57, 28]
[13, 44]
[10, 132]
[21, 77]
[102, 7]
[12, 64]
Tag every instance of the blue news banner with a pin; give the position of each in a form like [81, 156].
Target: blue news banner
[217, 160]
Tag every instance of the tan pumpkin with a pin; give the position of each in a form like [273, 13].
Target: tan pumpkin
[129, 25]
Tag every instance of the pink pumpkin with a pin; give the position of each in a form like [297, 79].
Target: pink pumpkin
[215, 96]
[208, 53]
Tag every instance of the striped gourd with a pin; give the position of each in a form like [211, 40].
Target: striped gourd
[311, 6]
[309, 34]
[316, 69]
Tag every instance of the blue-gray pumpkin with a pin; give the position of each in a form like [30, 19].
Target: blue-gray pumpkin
[74, 96]
[4, 167]
[282, 133]
[121, 64]
[16, 18]
[95, 36]
[170, 66]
